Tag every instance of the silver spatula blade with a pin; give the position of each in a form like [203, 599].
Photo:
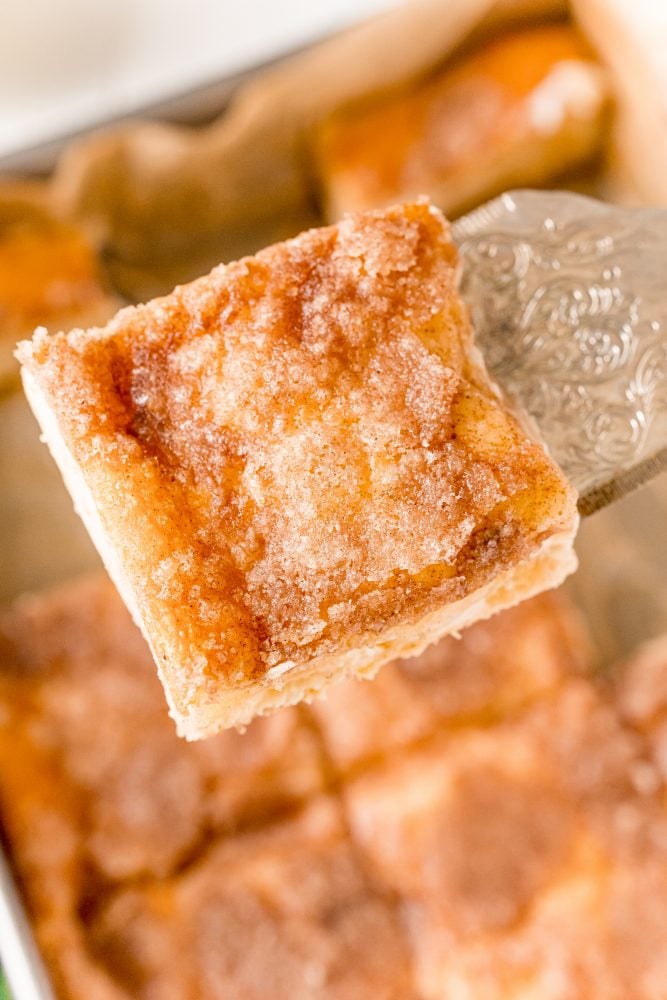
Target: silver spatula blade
[569, 301]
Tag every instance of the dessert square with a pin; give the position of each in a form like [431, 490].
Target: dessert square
[517, 850]
[519, 110]
[287, 912]
[86, 745]
[523, 854]
[296, 468]
[495, 669]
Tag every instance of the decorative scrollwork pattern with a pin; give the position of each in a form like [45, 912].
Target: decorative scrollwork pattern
[569, 301]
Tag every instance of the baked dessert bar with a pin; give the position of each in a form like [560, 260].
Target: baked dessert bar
[49, 274]
[530, 857]
[86, 745]
[296, 468]
[516, 853]
[520, 110]
[495, 669]
[287, 912]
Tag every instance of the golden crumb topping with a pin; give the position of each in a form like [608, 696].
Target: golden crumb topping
[299, 448]
[49, 274]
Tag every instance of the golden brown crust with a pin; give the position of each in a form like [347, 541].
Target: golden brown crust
[295, 454]
[517, 111]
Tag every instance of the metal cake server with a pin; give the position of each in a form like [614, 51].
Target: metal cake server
[569, 302]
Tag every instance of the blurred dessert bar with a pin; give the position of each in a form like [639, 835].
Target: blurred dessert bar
[642, 695]
[82, 706]
[513, 660]
[512, 842]
[530, 856]
[286, 912]
[296, 468]
[49, 274]
[98, 794]
[520, 110]
[96, 789]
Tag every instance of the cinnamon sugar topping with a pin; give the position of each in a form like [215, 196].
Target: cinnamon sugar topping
[296, 451]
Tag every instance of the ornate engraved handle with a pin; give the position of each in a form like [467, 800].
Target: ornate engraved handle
[569, 300]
